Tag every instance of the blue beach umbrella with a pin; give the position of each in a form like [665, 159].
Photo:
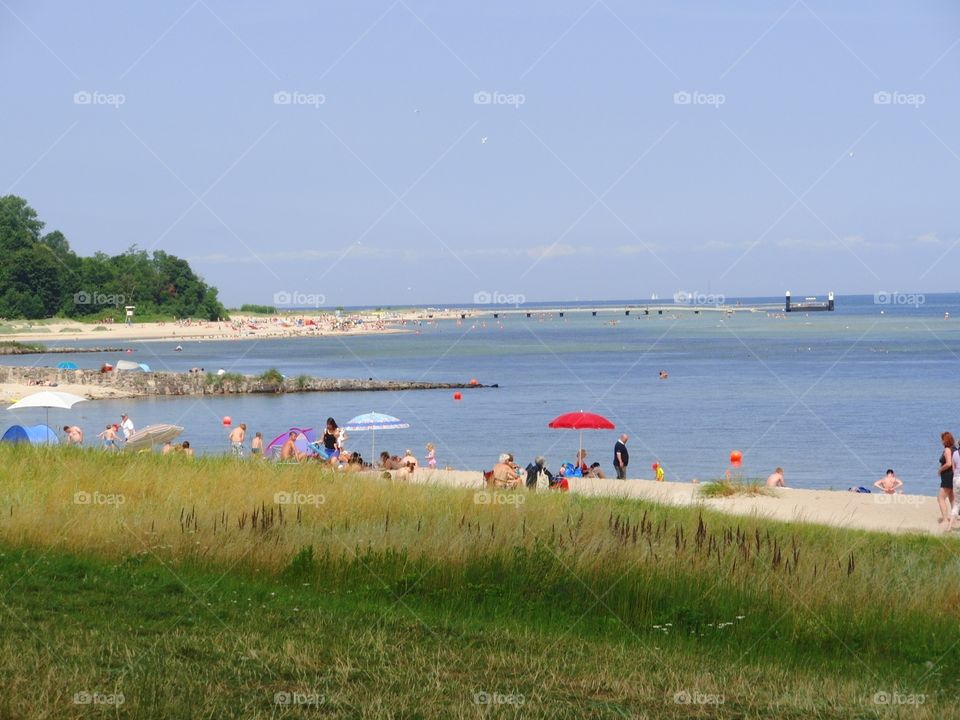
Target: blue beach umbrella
[374, 421]
[67, 365]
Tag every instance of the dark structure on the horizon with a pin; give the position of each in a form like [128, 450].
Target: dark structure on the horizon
[809, 304]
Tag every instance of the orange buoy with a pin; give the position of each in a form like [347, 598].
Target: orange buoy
[736, 457]
[227, 420]
[458, 396]
[473, 381]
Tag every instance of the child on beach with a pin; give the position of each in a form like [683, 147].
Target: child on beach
[431, 456]
[109, 437]
[889, 483]
[775, 479]
[256, 445]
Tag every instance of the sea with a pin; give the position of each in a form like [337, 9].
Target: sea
[835, 398]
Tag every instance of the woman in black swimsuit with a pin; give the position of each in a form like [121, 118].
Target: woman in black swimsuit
[945, 495]
[331, 442]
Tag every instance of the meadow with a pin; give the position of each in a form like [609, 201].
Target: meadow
[168, 587]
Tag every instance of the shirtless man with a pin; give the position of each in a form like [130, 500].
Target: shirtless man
[776, 478]
[74, 434]
[237, 436]
[505, 472]
[289, 449]
[889, 483]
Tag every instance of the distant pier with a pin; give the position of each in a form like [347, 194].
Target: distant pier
[810, 304]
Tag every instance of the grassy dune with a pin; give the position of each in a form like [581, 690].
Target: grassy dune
[236, 589]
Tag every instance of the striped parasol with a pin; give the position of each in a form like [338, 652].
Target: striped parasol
[374, 421]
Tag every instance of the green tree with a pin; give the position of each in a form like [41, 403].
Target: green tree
[41, 276]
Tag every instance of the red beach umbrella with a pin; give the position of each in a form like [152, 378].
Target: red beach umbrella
[581, 421]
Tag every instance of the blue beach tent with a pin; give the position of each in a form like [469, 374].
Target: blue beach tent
[33, 434]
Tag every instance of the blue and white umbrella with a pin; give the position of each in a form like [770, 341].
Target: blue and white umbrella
[374, 421]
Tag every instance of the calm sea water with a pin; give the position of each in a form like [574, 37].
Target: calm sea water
[835, 398]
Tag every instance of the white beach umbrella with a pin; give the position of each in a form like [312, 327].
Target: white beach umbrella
[48, 399]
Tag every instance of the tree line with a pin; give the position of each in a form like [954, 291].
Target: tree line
[41, 277]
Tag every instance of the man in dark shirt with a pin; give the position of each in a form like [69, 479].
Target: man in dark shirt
[621, 458]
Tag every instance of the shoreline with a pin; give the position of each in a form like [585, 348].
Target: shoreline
[323, 324]
[238, 327]
[873, 512]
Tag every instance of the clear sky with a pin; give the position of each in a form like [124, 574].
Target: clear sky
[424, 151]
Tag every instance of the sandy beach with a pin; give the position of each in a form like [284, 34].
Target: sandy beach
[239, 327]
[875, 512]
[11, 392]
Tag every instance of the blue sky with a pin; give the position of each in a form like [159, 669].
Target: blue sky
[406, 151]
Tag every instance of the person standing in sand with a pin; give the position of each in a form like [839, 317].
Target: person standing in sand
[621, 458]
[948, 463]
[431, 456]
[237, 436]
[775, 479]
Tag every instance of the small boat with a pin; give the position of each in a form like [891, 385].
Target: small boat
[178, 348]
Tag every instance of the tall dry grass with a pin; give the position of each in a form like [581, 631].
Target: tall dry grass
[644, 562]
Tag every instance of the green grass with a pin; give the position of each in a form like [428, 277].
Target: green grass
[730, 488]
[252, 309]
[271, 378]
[11, 347]
[198, 595]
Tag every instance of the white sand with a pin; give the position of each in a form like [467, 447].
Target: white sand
[11, 392]
[878, 512]
[240, 327]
